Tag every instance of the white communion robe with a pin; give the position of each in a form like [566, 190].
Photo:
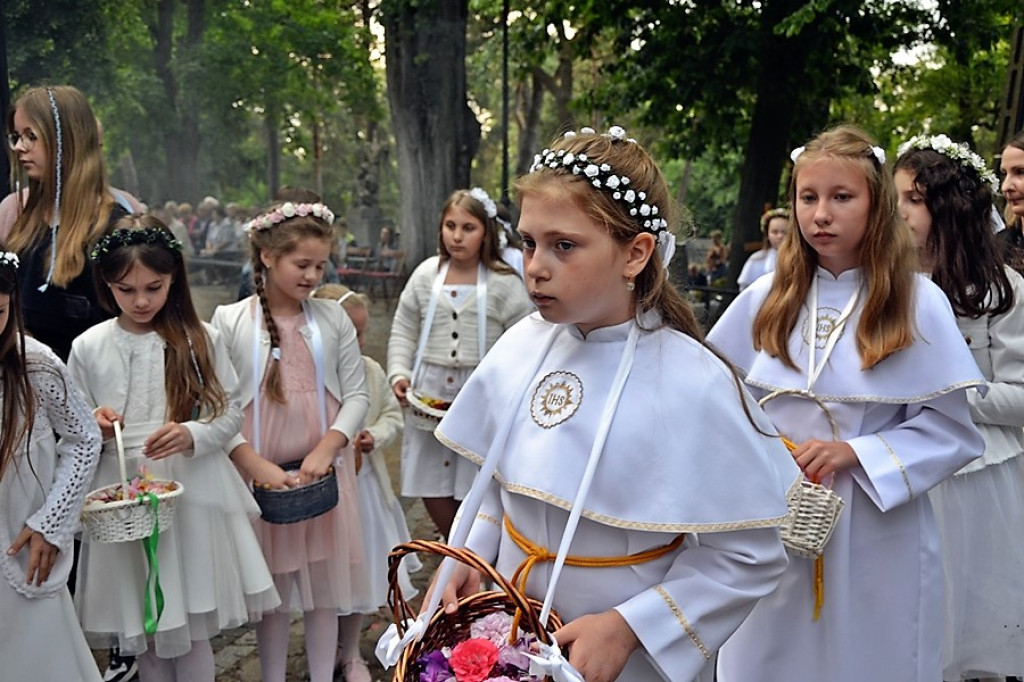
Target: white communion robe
[908, 421]
[681, 457]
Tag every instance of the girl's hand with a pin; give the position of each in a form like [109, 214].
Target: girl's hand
[600, 645]
[105, 417]
[266, 474]
[400, 388]
[464, 582]
[167, 440]
[820, 459]
[316, 464]
[41, 555]
[364, 442]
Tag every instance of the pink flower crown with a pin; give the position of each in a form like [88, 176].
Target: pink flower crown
[286, 211]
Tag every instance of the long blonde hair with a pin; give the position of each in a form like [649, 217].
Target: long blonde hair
[86, 200]
[887, 260]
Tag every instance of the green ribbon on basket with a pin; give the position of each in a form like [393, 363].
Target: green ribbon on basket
[153, 575]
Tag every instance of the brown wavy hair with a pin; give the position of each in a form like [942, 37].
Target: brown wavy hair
[19, 404]
[968, 265]
[177, 323]
[86, 201]
[887, 260]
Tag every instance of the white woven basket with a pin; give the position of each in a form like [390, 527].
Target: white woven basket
[814, 509]
[127, 520]
[424, 417]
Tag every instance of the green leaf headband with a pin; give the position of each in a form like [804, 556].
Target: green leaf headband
[129, 237]
[957, 151]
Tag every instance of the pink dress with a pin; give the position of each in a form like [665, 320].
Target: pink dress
[317, 563]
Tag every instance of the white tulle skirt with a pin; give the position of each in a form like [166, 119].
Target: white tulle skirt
[384, 526]
[981, 522]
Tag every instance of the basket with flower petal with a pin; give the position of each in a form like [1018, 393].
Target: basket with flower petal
[476, 642]
[426, 411]
[130, 510]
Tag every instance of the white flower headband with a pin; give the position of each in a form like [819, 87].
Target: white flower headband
[602, 177]
[957, 151]
[878, 152]
[9, 259]
[481, 195]
[288, 210]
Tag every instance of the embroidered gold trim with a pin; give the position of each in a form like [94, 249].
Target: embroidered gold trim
[612, 521]
[489, 519]
[903, 472]
[678, 613]
[888, 400]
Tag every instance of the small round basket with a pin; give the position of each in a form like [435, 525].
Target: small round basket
[425, 416]
[814, 508]
[291, 505]
[447, 630]
[127, 520]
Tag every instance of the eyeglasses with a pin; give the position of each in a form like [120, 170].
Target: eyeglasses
[27, 139]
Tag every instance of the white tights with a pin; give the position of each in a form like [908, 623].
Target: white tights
[321, 626]
[349, 630]
[195, 666]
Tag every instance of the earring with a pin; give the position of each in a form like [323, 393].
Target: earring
[630, 286]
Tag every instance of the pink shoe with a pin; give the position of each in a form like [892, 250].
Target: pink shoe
[355, 670]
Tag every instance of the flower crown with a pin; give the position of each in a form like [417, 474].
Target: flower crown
[878, 153]
[603, 178]
[770, 214]
[481, 195]
[288, 210]
[8, 259]
[132, 237]
[957, 151]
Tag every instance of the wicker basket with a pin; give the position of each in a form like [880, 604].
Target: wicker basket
[128, 520]
[291, 505]
[814, 508]
[449, 629]
[424, 416]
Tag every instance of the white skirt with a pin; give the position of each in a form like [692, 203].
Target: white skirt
[212, 571]
[384, 526]
[428, 468]
[40, 638]
[981, 518]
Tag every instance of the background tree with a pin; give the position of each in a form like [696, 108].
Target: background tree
[436, 133]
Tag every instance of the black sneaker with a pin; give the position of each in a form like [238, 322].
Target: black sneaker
[121, 668]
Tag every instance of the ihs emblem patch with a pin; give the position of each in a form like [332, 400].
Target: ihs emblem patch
[556, 399]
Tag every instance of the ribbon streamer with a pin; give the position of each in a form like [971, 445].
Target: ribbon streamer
[551, 663]
[153, 576]
[390, 646]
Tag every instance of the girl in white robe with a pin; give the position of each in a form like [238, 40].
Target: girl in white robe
[689, 470]
[49, 447]
[848, 322]
[945, 196]
[774, 225]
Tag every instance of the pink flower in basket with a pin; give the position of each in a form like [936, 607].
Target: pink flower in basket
[473, 659]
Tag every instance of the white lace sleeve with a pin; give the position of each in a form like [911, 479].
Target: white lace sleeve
[61, 410]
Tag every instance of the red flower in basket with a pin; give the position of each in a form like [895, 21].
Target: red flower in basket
[473, 660]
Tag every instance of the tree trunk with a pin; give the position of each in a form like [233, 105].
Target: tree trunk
[529, 128]
[784, 61]
[435, 130]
